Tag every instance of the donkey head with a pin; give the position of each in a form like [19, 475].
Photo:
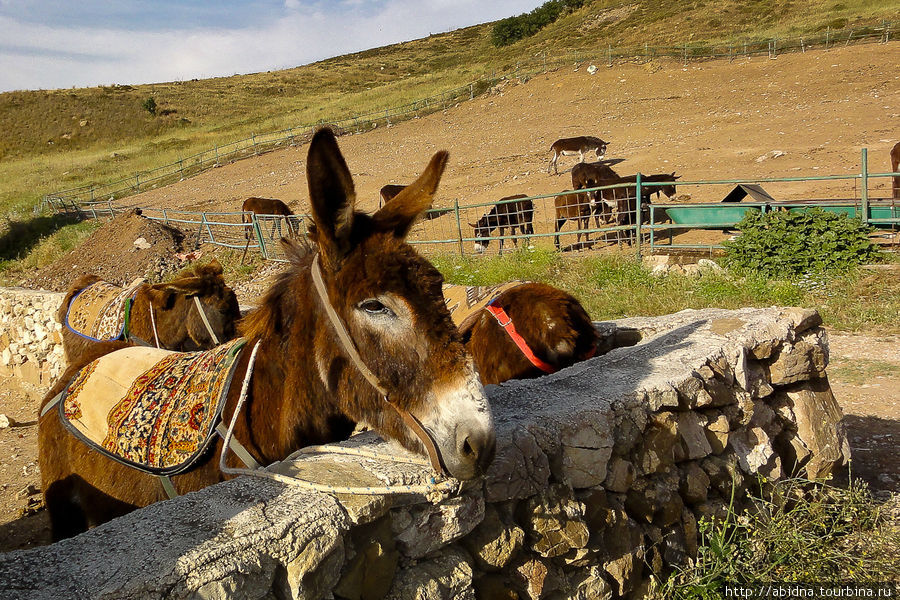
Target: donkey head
[669, 189]
[483, 228]
[389, 298]
[181, 305]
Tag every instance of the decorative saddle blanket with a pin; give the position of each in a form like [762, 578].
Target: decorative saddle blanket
[100, 311]
[155, 410]
[464, 301]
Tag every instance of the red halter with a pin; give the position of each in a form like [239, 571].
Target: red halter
[506, 323]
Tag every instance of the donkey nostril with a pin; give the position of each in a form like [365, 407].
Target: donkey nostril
[467, 449]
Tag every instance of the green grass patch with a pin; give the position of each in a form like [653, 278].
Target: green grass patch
[796, 531]
[616, 285]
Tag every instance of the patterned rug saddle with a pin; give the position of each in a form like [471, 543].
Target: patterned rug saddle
[101, 311]
[465, 302]
[152, 409]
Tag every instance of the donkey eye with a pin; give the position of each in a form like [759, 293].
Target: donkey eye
[374, 307]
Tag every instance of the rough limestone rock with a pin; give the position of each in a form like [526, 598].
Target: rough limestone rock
[603, 471]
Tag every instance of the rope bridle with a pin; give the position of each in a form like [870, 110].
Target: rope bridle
[203, 317]
[350, 348]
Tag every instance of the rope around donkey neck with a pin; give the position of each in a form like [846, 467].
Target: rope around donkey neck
[432, 490]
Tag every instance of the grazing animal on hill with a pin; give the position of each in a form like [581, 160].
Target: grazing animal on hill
[621, 203]
[392, 189]
[356, 330]
[575, 206]
[526, 331]
[576, 145]
[267, 207]
[194, 311]
[895, 168]
[512, 212]
[589, 175]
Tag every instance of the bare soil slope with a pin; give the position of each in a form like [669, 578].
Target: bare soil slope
[709, 120]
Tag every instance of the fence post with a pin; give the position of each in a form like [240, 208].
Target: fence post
[165, 216]
[864, 185]
[109, 206]
[609, 55]
[827, 36]
[181, 166]
[458, 226]
[137, 181]
[217, 155]
[259, 236]
[471, 91]
[637, 216]
[685, 55]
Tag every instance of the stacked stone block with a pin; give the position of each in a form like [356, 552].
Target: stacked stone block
[30, 338]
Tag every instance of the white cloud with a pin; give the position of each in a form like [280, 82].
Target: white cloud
[39, 56]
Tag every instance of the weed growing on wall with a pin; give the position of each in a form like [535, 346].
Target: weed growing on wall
[796, 531]
[792, 244]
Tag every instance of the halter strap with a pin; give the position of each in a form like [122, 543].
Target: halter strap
[350, 348]
[506, 323]
[153, 323]
[212, 334]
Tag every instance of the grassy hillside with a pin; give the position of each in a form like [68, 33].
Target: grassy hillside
[57, 139]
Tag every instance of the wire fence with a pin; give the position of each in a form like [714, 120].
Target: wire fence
[90, 197]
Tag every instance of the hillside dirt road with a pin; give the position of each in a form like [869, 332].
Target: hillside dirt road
[704, 121]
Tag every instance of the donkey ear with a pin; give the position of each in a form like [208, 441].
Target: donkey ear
[331, 195]
[399, 214]
[215, 266]
[162, 296]
[184, 285]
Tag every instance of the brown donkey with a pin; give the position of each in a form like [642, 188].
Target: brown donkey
[528, 331]
[268, 207]
[306, 387]
[194, 311]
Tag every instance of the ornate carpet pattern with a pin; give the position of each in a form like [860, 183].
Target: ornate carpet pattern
[149, 408]
[463, 301]
[99, 311]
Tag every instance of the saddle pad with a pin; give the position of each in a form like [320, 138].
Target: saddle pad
[152, 409]
[100, 310]
[463, 301]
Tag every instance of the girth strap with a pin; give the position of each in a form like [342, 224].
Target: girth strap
[350, 348]
[506, 323]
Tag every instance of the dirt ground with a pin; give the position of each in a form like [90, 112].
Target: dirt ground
[710, 120]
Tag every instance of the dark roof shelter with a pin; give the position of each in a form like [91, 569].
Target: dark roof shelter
[743, 190]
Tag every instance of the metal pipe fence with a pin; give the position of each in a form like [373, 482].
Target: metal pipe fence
[611, 216]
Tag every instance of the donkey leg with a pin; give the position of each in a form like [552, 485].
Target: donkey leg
[67, 518]
[557, 227]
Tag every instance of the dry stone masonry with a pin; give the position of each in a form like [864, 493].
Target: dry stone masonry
[30, 338]
[603, 473]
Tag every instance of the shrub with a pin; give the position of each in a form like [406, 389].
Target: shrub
[512, 29]
[790, 244]
[149, 105]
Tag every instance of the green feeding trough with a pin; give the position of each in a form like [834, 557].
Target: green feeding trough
[880, 215]
[709, 216]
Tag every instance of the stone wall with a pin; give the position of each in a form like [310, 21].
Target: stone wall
[30, 338]
[602, 473]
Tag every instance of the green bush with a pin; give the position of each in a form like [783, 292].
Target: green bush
[149, 105]
[791, 244]
[512, 29]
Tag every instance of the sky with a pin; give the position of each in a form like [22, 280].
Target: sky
[50, 44]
